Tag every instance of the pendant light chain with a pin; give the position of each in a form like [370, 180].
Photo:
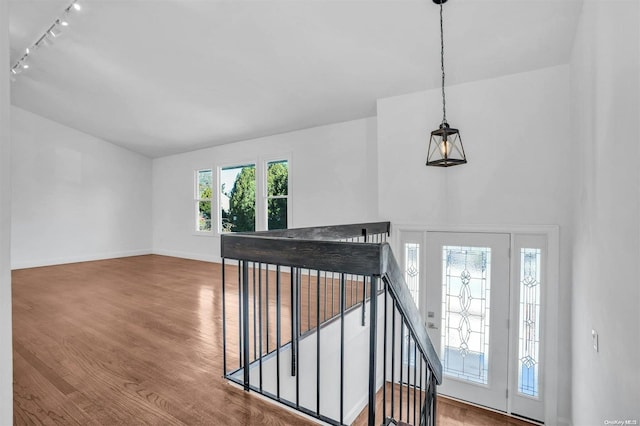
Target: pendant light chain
[445, 145]
[444, 103]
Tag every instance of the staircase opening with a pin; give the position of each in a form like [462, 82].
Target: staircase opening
[323, 322]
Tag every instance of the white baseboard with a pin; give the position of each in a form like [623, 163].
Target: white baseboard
[357, 409]
[187, 255]
[36, 263]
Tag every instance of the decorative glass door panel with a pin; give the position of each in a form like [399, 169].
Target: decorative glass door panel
[466, 289]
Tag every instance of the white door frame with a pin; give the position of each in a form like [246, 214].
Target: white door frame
[550, 298]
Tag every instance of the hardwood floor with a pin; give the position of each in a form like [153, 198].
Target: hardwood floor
[134, 341]
[126, 341]
[450, 412]
[456, 413]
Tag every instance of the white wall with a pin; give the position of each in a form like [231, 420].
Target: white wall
[356, 366]
[606, 293]
[332, 181]
[516, 136]
[6, 354]
[75, 197]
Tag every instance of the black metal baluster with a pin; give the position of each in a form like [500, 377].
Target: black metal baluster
[318, 345]
[298, 285]
[240, 332]
[393, 359]
[278, 329]
[401, 362]
[260, 319]
[255, 346]
[428, 407]
[308, 299]
[298, 307]
[294, 319]
[343, 297]
[324, 313]
[348, 292]
[408, 373]
[224, 321]
[433, 399]
[266, 284]
[427, 395]
[364, 298]
[333, 312]
[373, 350]
[384, 358]
[415, 382]
[245, 308]
[421, 392]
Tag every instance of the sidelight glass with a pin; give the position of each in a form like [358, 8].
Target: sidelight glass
[412, 269]
[412, 278]
[529, 322]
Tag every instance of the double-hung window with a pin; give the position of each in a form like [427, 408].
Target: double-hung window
[277, 194]
[203, 200]
[237, 198]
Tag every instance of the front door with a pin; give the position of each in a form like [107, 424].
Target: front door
[468, 313]
[469, 291]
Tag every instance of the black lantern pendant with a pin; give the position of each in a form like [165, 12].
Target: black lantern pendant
[445, 146]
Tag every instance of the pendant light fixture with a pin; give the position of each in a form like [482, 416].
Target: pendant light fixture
[445, 146]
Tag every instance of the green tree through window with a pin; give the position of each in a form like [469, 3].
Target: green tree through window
[238, 205]
[203, 200]
[241, 216]
[277, 194]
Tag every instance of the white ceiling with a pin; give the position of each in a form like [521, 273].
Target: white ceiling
[167, 76]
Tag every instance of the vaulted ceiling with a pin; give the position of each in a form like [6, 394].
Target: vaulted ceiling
[167, 76]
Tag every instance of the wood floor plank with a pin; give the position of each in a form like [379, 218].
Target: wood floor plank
[62, 385]
[38, 401]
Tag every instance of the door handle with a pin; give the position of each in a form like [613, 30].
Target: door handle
[432, 325]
